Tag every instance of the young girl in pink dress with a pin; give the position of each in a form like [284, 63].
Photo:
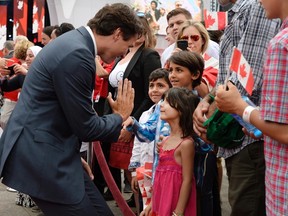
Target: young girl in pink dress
[174, 189]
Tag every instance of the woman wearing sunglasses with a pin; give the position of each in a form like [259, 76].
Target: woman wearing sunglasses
[198, 38]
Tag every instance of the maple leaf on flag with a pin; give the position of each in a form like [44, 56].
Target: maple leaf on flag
[239, 65]
[209, 21]
[243, 72]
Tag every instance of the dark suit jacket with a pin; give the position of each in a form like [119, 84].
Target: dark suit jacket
[144, 61]
[39, 150]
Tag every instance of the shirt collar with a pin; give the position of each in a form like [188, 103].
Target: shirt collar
[238, 4]
[93, 38]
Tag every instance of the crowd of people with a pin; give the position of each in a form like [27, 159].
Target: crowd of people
[106, 82]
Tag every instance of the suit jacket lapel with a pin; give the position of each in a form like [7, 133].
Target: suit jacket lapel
[133, 62]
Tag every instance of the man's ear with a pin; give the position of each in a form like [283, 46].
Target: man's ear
[117, 34]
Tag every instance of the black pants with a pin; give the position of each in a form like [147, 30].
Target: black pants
[92, 204]
[208, 197]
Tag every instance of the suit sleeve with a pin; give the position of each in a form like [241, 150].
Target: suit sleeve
[74, 84]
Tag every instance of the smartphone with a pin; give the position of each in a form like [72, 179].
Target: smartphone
[182, 44]
[12, 72]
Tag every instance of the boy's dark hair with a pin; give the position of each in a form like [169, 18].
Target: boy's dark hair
[114, 16]
[158, 74]
[48, 30]
[185, 102]
[177, 11]
[191, 60]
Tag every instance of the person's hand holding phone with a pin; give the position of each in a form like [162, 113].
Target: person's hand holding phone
[182, 44]
[19, 69]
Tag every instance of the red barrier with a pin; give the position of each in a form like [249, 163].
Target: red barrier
[125, 209]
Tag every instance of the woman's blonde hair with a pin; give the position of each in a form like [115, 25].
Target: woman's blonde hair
[21, 48]
[202, 30]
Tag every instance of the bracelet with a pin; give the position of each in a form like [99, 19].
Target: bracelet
[247, 112]
[133, 174]
[175, 214]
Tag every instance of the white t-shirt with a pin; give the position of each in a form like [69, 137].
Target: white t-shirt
[117, 74]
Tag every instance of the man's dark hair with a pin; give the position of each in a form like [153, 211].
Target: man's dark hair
[177, 11]
[159, 74]
[63, 28]
[156, 3]
[114, 16]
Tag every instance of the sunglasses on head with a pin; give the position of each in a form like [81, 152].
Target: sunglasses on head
[140, 14]
[192, 37]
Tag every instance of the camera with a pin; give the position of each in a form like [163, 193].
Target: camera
[182, 44]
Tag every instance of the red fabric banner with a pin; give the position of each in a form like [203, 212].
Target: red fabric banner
[38, 17]
[3, 27]
[20, 17]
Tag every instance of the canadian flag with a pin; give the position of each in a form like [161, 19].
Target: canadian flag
[244, 72]
[215, 20]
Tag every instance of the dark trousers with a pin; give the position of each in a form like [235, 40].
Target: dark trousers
[208, 197]
[246, 175]
[92, 204]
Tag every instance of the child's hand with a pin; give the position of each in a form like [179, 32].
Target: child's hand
[125, 136]
[158, 146]
[147, 210]
[134, 184]
[128, 122]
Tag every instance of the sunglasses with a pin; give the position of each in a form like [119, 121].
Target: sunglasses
[192, 37]
[140, 14]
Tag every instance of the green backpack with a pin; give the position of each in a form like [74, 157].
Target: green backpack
[223, 130]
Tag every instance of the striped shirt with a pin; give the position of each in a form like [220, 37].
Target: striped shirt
[250, 31]
[274, 108]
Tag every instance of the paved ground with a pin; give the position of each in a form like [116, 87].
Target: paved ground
[9, 208]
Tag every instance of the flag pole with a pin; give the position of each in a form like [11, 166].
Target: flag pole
[228, 71]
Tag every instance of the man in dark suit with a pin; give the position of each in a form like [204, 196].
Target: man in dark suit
[39, 149]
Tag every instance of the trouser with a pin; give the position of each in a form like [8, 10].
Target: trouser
[92, 204]
[246, 176]
[208, 197]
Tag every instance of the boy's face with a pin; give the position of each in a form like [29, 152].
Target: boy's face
[272, 8]
[180, 76]
[157, 88]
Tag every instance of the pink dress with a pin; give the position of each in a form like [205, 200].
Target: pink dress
[167, 185]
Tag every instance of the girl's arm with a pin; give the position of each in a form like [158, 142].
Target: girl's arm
[187, 153]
